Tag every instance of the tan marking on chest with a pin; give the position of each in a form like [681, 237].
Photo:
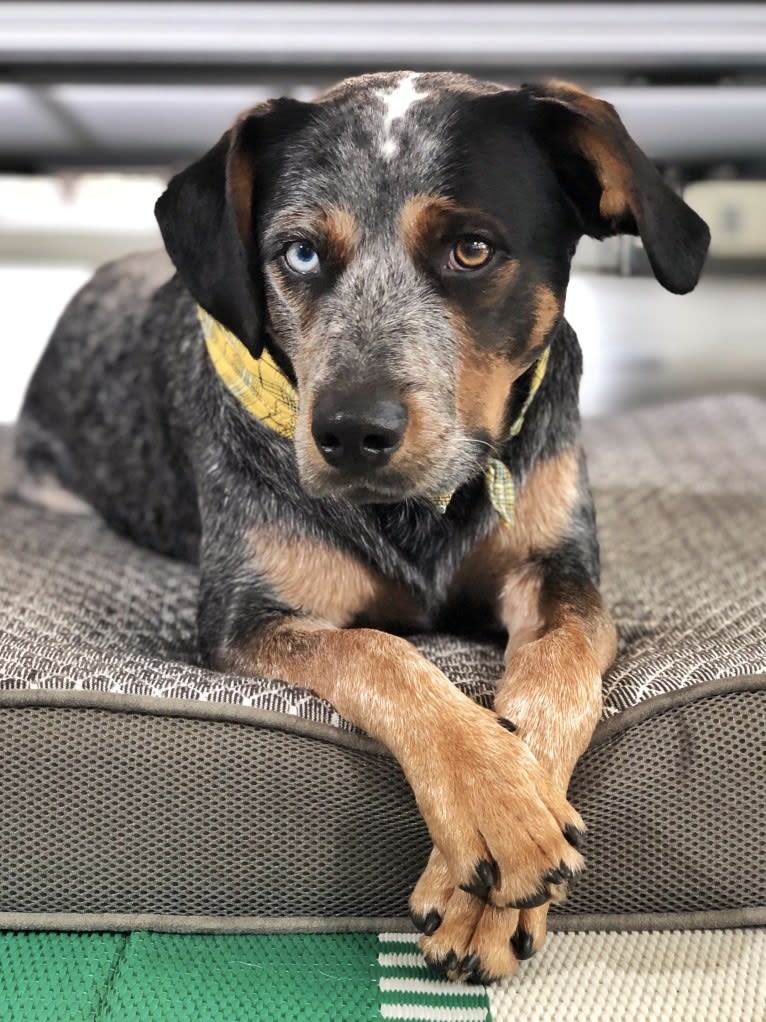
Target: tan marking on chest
[324, 582]
[544, 506]
[511, 594]
[498, 572]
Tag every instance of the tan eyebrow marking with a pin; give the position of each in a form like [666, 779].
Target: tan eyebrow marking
[335, 225]
[433, 218]
[343, 232]
[420, 215]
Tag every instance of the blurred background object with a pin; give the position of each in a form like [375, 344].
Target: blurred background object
[100, 102]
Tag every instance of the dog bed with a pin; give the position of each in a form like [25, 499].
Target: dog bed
[142, 792]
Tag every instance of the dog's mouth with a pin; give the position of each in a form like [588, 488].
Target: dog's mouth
[387, 486]
[373, 495]
[369, 490]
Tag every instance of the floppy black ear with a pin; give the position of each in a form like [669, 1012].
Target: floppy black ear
[613, 185]
[206, 220]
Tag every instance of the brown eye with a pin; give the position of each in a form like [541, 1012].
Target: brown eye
[470, 254]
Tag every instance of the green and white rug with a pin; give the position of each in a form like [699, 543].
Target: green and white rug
[710, 976]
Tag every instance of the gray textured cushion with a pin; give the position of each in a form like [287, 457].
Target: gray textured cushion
[87, 619]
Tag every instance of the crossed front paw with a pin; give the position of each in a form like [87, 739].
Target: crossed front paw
[507, 835]
[506, 844]
[466, 939]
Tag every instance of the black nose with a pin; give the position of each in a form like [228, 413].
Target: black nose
[358, 430]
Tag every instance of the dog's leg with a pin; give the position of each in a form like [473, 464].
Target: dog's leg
[488, 805]
[552, 690]
[551, 694]
[560, 641]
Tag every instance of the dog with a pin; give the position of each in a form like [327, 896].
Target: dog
[354, 405]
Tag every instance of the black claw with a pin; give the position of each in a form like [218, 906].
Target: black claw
[437, 966]
[478, 978]
[553, 876]
[558, 875]
[507, 724]
[432, 922]
[450, 962]
[523, 945]
[427, 924]
[574, 836]
[485, 876]
[470, 963]
[533, 901]
[418, 921]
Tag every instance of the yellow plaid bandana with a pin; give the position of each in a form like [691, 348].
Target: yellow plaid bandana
[258, 384]
[265, 392]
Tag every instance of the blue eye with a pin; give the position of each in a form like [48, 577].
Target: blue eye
[302, 257]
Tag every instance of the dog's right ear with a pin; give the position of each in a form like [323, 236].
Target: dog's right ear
[206, 220]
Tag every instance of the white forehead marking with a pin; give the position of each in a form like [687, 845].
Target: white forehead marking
[397, 102]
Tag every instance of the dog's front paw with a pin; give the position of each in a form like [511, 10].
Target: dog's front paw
[473, 942]
[464, 938]
[506, 834]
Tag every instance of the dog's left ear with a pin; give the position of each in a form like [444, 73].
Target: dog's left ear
[612, 183]
[206, 219]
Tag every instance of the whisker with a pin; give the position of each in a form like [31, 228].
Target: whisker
[473, 440]
[467, 442]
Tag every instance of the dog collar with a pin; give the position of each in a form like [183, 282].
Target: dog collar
[264, 391]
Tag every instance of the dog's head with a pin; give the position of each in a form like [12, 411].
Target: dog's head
[403, 245]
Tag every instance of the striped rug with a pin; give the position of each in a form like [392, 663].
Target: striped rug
[707, 976]
[409, 991]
